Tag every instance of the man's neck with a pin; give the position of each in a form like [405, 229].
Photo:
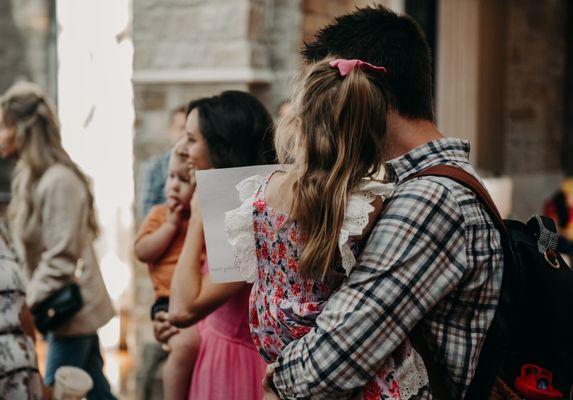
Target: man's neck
[405, 134]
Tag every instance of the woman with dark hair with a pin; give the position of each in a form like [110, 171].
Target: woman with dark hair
[230, 130]
[236, 128]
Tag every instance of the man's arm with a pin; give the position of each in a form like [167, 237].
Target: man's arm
[415, 256]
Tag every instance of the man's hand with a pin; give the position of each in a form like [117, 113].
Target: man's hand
[162, 329]
[268, 384]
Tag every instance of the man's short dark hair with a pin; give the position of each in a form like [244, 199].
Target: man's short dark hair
[381, 37]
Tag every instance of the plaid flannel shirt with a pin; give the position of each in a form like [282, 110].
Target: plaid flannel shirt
[434, 257]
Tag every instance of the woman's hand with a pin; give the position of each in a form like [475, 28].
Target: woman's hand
[162, 329]
[47, 392]
[269, 393]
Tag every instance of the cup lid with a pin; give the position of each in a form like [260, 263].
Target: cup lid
[74, 378]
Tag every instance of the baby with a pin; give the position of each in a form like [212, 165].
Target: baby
[159, 243]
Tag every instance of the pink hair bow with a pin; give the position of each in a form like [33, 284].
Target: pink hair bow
[345, 66]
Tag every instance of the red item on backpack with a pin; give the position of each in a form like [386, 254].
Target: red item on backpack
[536, 383]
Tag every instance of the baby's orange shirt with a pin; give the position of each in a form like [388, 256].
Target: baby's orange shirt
[161, 270]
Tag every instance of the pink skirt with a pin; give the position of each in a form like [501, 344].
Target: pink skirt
[226, 368]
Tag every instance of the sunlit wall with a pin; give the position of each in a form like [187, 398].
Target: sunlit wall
[96, 111]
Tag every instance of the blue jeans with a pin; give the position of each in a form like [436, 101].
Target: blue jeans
[81, 352]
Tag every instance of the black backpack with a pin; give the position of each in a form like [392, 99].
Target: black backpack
[533, 323]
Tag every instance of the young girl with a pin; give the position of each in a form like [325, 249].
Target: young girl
[297, 233]
[159, 244]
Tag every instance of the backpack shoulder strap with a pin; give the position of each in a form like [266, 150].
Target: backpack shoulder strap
[469, 181]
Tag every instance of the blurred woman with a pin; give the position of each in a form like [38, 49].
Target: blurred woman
[230, 130]
[53, 220]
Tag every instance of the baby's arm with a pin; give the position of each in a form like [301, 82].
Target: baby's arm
[149, 247]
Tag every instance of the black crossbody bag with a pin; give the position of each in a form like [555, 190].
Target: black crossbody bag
[59, 307]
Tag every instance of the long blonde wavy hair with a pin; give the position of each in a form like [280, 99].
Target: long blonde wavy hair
[28, 111]
[334, 137]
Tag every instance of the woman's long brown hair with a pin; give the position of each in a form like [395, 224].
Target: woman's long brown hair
[335, 137]
[27, 110]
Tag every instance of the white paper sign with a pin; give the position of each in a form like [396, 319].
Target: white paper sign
[217, 195]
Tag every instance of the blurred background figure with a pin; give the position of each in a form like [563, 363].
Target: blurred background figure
[52, 218]
[560, 208]
[154, 172]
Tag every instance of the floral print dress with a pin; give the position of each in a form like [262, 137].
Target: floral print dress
[283, 305]
[19, 376]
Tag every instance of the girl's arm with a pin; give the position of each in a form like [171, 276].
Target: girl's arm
[193, 294]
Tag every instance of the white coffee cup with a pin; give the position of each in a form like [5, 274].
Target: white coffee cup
[72, 384]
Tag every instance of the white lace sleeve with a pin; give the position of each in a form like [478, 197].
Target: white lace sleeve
[356, 218]
[411, 376]
[239, 228]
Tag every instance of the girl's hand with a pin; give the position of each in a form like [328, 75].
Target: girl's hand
[269, 393]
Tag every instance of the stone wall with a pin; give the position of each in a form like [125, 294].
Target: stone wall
[282, 39]
[534, 101]
[27, 45]
[27, 51]
[534, 84]
[500, 80]
[318, 13]
[13, 61]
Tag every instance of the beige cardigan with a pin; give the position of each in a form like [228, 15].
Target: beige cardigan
[58, 240]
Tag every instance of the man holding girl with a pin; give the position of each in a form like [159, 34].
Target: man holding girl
[434, 258]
